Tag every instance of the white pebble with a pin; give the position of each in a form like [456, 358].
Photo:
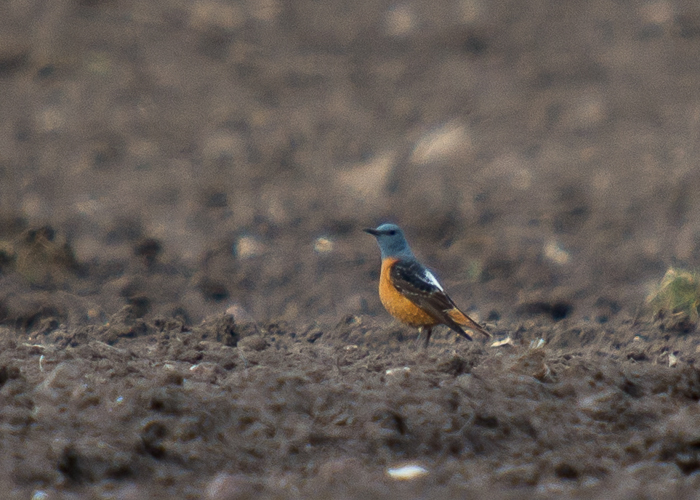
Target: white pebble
[323, 245]
[404, 370]
[406, 472]
[554, 252]
[502, 342]
[672, 359]
[537, 344]
[248, 246]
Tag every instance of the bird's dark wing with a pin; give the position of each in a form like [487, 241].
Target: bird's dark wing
[419, 285]
[414, 281]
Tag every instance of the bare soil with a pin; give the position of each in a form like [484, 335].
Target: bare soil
[188, 305]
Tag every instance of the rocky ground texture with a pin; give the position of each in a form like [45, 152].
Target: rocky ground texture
[188, 305]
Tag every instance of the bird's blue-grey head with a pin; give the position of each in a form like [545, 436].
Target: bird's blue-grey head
[392, 242]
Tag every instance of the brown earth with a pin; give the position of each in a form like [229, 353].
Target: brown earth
[189, 307]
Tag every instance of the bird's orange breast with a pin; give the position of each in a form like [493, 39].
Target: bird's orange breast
[396, 304]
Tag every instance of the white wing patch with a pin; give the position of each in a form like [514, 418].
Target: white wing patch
[428, 276]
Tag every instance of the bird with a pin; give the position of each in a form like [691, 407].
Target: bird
[411, 293]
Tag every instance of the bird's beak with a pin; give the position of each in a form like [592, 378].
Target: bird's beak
[373, 232]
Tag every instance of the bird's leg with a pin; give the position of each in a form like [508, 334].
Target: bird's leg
[428, 332]
[420, 334]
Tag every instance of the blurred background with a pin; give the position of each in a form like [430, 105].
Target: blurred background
[189, 157]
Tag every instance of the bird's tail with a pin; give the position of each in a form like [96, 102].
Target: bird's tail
[463, 320]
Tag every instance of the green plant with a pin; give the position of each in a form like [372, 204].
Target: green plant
[676, 300]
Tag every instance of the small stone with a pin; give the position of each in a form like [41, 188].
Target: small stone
[406, 472]
[396, 372]
[554, 252]
[503, 342]
[672, 360]
[248, 246]
[323, 245]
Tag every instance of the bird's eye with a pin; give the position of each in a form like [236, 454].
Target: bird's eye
[391, 233]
